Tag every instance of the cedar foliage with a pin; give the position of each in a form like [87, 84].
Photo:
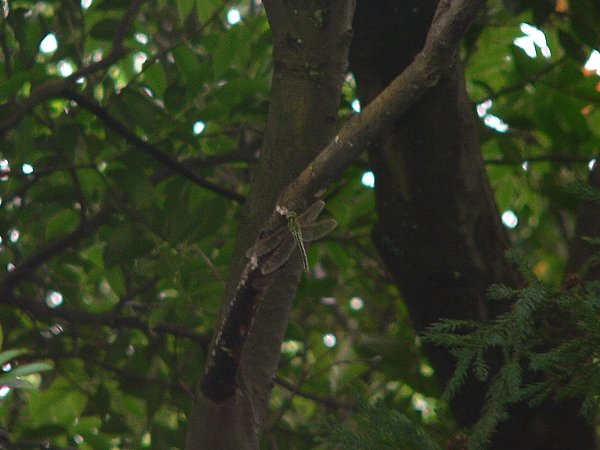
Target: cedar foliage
[549, 340]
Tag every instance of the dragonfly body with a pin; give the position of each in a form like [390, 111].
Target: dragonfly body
[279, 245]
[296, 229]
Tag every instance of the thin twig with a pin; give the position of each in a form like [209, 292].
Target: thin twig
[148, 148]
[109, 319]
[329, 401]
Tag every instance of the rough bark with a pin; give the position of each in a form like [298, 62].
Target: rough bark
[310, 41]
[588, 224]
[439, 232]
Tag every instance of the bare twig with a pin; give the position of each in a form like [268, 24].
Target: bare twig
[110, 319]
[542, 158]
[148, 148]
[329, 401]
[85, 228]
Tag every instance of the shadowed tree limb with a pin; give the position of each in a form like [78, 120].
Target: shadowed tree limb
[110, 319]
[233, 420]
[170, 162]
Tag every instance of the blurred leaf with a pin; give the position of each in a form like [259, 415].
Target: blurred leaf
[175, 98]
[7, 355]
[527, 66]
[570, 112]
[63, 222]
[24, 370]
[156, 79]
[136, 108]
[184, 7]
[510, 149]
[232, 47]
[158, 314]
[59, 404]
[143, 195]
[44, 431]
[106, 5]
[572, 47]
[126, 243]
[187, 61]
[206, 9]
[585, 19]
[104, 29]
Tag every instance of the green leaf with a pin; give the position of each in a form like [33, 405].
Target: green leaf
[570, 113]
[510, 149]
[106, 5]
[586, 21]
[126, 243]
[175, 98]
[24, 370]
[184, 7]
[572, 47]
[104, 29]
[61, 403]
[13, 85]
[233, 46]
[7, 355]
[158, 314]
[156, 79]
[63, 222]
[188, 63]
[136, 108]
[527, 66]
[143, 195]
[43, 431]
[206, 9]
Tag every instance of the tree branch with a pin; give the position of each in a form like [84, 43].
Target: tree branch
[148, 148]
[448, 27]
[109, 319]
[450, 23]
[328, 401]
[85, 228]
[542, 158]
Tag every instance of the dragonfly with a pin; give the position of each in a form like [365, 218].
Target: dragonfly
[280, 245]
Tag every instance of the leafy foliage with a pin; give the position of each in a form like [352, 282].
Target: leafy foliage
[16, 377]
[125, 154]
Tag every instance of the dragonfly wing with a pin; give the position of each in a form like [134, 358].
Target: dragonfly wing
[280, 255]
[266, 244]
[311, 214]
[316, 230]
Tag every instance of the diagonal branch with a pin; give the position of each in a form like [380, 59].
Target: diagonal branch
[85, 228]
[148, 148]
[450, 23]
[109, 319]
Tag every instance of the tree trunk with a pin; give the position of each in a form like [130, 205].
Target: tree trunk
[588, 224]
[310, 48]
[439, 232]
